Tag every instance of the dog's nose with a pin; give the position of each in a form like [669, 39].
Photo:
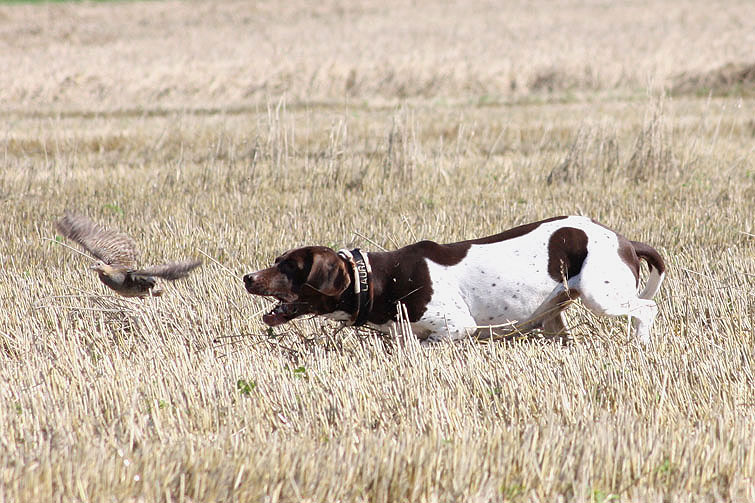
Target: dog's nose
[249, 279]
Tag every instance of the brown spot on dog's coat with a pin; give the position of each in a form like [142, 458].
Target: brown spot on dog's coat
[411, 284]
[567, 250]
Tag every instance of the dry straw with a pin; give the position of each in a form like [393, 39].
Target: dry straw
[235, 144]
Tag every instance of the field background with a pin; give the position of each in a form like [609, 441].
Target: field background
[238, 130]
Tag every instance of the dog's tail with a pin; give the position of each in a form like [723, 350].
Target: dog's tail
[655, 264]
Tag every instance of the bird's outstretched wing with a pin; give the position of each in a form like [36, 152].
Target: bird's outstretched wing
[109, 246]
[171, 271]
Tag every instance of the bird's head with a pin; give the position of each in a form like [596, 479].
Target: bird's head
[102, 268]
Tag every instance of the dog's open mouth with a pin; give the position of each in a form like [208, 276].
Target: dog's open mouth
[283, 312]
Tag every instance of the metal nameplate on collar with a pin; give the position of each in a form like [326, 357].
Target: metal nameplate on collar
[361, 269]
[362, 272]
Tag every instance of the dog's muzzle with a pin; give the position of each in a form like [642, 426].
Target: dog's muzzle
[287, 307]
[250, 282]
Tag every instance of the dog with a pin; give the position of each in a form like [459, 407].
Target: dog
[524, 277]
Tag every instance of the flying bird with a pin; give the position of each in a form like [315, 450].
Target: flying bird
[117, 257]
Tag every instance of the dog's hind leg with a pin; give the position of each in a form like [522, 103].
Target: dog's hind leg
[642, 311]
[618, 297]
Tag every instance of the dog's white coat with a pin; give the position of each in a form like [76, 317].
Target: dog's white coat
[508, 282]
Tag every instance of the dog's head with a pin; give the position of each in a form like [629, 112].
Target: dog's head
[307, 280]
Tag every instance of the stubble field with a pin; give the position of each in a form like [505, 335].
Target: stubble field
[232, 132]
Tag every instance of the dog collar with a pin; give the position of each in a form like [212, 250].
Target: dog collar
[362, 287]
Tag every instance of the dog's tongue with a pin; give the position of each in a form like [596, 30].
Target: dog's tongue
[275, 317]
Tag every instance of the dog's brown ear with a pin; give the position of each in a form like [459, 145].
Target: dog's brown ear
[328, 274]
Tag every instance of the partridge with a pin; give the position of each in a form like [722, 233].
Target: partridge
[117, 257]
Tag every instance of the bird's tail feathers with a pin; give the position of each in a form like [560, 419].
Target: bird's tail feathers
[171, 271]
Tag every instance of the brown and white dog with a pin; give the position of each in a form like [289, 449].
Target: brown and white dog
[526, 275]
